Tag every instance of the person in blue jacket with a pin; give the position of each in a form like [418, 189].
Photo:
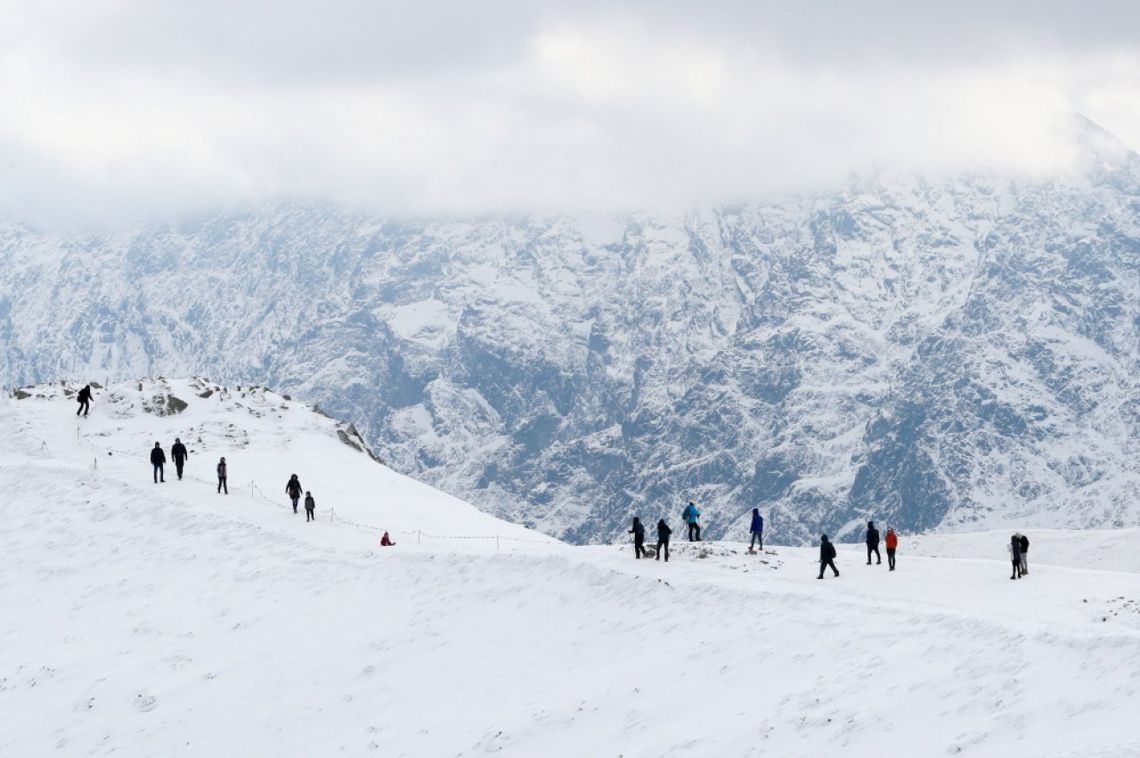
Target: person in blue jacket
[692, 515]
[757, 531]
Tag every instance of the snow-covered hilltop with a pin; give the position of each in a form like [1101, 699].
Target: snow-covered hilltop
[165, 619]
[961, 354]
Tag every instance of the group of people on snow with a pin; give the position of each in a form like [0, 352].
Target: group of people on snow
[293, 490]
[180, 454]
[827, 551]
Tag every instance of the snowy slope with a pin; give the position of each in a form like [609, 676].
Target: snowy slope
[145, 619]
[960, 353]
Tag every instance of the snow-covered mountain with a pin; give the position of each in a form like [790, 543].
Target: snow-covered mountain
[957, 354]
[166, 619]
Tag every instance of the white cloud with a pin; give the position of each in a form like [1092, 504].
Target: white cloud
[549, 110]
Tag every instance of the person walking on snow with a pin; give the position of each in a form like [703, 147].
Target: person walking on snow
[692, 516]
[826, 556]
[873, 543]
[179, 454]
[1024, 541]
[157, 459]
[84, 398]
[1014, 548]
[757, 530]
[222, 473]
[638, 532]
[663, 532]
[293, 490]
[310, 506]
[892, 545]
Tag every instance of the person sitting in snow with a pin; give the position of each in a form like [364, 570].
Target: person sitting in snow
[385, 541]
[826, 556]
[638, 532]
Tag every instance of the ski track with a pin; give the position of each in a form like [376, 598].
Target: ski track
[168, 620]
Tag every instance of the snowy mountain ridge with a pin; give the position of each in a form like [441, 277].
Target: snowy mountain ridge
[960, 354]
[168, 619]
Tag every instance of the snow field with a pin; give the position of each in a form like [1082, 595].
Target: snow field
[148, 619]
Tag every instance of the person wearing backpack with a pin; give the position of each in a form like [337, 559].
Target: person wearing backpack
[638, 532]
[757, 531]
[310, 507]
[1014, 548]
[873, 543]
[663, 532]
[826, 556]
[691, 516]
[84, 399]
[1021, 538]
[293, 490]
[892, 545]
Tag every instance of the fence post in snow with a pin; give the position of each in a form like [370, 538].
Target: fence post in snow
[332, 515]
[496, 543]
[418, 535]
[95, 462]
[251, 488]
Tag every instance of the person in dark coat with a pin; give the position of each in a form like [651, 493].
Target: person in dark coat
[826, 556]
[1021, 538]
[84, 399]
[692, 516]
[1015, 555]
[157, 460]
[293, 490]
[873, 543]
[385, 541]
[638, 532]
[223, 472]
[757, 530]
[310, 507]
[663, 532]
[179, 454]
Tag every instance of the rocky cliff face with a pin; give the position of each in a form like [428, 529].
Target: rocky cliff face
[962, 353]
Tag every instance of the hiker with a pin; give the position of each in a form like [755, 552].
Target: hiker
[873, 543]
[222, 469]
[310, 506]
[157, 459]
[179, 454]
[663, 532]
[293, 490]
[892, 545]
[826, 556]
[638, 532]
[1014, 548]
[757, 530]
[85, 401]
[1024, 553]
[385, 541]
[691, 515]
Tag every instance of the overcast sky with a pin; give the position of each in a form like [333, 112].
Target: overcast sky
[116, 111]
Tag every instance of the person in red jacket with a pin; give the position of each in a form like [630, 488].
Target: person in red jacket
[386, 541]
[892, 545]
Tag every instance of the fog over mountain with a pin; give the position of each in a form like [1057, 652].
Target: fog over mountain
[936, 353]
